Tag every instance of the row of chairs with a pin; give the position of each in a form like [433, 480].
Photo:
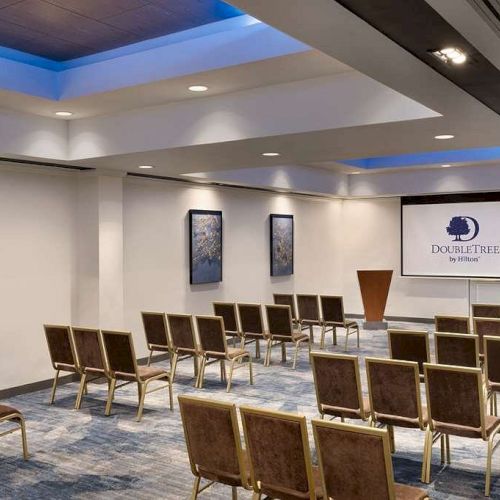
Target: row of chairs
[456, 403]
[95, 354]
[354, 461]
[461, 324]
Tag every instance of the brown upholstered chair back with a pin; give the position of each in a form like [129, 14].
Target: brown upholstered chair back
[60, 343]
[409, 345]
[394, 388]
[486, 326]
[89, 348]
[452, 324]
[286, 299]
[492, 359]
[182, 334]
[332, 308]
[278, 452]
[251, 318]
[119, 352]
[355, 461]
[211, 333]
[308, 306]
[279, 320]
[486, 310]
[213, 439]
[454, 395]
[227, 310]
[155, 327]
[459, 349]
[337, 381]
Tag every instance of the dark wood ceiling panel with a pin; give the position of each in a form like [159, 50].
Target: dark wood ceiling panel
[67, 29]
[418, 28]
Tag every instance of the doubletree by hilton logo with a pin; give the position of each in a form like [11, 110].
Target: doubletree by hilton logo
[463, 228]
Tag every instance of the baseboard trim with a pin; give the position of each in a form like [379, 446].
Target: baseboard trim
[404, 319]
[64, 379]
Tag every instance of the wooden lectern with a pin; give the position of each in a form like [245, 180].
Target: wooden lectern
[374, 286]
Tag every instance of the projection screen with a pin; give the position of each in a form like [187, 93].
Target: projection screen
[451, 235]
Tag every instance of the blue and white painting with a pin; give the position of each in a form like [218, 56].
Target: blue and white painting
[281, 245]
[205, 246]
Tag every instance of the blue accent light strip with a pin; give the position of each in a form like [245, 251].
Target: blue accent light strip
[430, 158]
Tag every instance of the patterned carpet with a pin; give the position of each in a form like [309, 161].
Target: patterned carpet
[83, 454]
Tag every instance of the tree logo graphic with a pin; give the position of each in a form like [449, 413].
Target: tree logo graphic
[460, 227]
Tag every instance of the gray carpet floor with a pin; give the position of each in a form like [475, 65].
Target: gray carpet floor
[83, 454]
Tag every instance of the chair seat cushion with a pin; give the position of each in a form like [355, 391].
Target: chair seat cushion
[288, 494]
[5, 411]
[147, 372]
[405, 492]
[351, 323]
[66, 368]
[338, 411]
[491, 423]
[400, 421]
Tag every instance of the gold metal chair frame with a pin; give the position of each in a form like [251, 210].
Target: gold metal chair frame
[244, 340]
[175, 355]
[350, 357]
[255, 483]
[418, 333]
[142, 385]
[447, 316]
[17, 418]
[373, 422]
[206, 355]
[431, 435]
[239, 450]
[496, 306]
[234, 334]
[54, 364]
[293, 308]
[283, 339]
[154, 347]
[491, 395]
[438, 335]
[310, 323]
[334, 325]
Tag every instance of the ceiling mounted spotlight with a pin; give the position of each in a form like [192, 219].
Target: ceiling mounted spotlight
[198, 88]
[446, 165]
[270, 154]
[443, 137]
[145, 166]
[64, 113]
[450, 54]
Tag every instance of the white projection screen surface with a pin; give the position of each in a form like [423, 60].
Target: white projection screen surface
[451, 235]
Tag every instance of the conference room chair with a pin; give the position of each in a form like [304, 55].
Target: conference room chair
[278, 452]
[460, 349]
[394, 395]
[252, 325]
[338, 386]
[486, 327]
[287, 299]
[410, 345]
[355, 463]
[332, 308]
[62, 353]
[122, 365]
[456, 407]
[213, 346]
[452, 324]
[155, 328]
[213, 443]
[183, 342]
[281, 332]
[227, 311]
[486, 311]
[309, 314]
[492, 371]
[91, 357]
[13, 416]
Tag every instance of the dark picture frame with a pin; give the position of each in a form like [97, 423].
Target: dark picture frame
[205, 246]
[281, 244]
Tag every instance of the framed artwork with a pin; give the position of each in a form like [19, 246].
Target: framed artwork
[205, 246]
[281, 244]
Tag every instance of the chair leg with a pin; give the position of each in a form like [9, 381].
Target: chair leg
[357, 334]
[392, 441]
[223, 375]
[150, 357]
[79, 397]
[231, 368]
[256, 495]
[54, 387]
[171, 395]
[346, 338]
[267, 360]
[196, 486]
[443, 449]
[24, 438]
[173, 367]
[257, 348]
[111, 393]
[142, 396]
[283, 352]
[448, 449]
[295, 355]
[488, 464]
[201, 375]
[311, 333]
[234, 493]
[322, 342]
[426, 463]
[495, 406]
[334, 331]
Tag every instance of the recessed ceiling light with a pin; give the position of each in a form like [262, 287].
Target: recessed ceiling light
[198, 88]
[146, 166]
[446, 165]
[271, 154]
[450, 54]
[64, 113]
[354, 173]
[443, 137]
